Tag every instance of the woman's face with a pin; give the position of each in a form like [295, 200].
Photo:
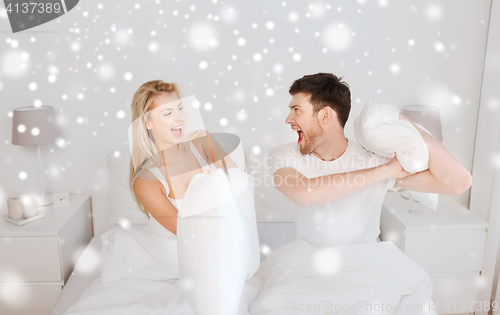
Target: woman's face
[166, 119]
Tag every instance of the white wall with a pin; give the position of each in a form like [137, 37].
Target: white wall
[93, 48]
[485, 193]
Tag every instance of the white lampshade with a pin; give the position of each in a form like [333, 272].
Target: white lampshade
[34, 125]
[427, 116]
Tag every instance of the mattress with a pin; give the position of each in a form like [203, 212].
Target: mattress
[272, 235]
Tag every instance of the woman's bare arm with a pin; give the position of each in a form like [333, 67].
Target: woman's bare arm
[445, 174]
[152, 197]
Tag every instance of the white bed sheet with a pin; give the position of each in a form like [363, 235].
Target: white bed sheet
[272, 235]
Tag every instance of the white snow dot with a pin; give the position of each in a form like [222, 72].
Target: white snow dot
[229, 14]
[257, 57]
[61, 143]
[37, 103]
[241, 41]
[297, 57]
[223, 122]
[456, 100]
[438, 46]
[116, 154]
[203, 37]
[256, 150]
[241, 115]
[395, 68]
[383, 3]
[196, 104]
[80, 96]
[75, 46]
[327, 261]
[493, 104]
[35, 131]
[269, 92]
[79, 120]
[270, 25]
[317, 10]
[293, 16]
[33, 86]
[411, 42]
[13, 65]
[265, 249]
[278, 68]
[21, 128]
[337, 37]
[433, 12]
[208, 106]
[52, 78]
[153, 47]
[120, 114]
[203, 65]
[128, 76]
[124, 223]
[23, 175]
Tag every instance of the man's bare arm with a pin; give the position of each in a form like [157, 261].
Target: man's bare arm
[324, 189]
[445, 174]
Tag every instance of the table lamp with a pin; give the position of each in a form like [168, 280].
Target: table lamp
[426, 116]
[35, 126]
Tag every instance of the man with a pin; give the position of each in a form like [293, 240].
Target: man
[335, 186]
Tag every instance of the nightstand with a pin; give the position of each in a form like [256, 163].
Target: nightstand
[448, 243]
[36, 259]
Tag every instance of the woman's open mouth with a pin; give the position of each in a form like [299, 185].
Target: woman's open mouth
[177, 131]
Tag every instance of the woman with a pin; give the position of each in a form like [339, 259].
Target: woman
[175, 158]
[178, 182]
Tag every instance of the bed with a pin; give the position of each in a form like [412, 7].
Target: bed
[293, 275]
[275, 225]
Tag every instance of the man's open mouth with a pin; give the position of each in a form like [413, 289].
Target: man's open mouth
[300, 133]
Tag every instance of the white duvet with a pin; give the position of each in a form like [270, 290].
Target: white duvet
[375, 278]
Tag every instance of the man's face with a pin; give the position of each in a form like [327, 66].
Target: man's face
[302, 120]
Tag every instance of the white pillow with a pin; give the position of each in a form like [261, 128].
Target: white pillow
[270, 203]
[121, 205]
[220, 246]
[378, 129]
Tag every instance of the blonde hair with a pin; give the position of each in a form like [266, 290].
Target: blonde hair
[142, 146]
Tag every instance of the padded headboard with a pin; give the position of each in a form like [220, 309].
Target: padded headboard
[270, 204]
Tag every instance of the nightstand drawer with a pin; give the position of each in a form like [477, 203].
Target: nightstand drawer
[447, 251]
[451, 292]
[29, 259]
[28, 299]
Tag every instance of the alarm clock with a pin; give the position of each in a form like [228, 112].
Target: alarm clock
[60, 200]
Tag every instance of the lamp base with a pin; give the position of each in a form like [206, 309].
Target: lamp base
[43, 201]
[405, 194]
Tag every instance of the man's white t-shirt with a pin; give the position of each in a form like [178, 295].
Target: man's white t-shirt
[353, 219]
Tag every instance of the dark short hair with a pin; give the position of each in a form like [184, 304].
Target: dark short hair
[326, 90]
